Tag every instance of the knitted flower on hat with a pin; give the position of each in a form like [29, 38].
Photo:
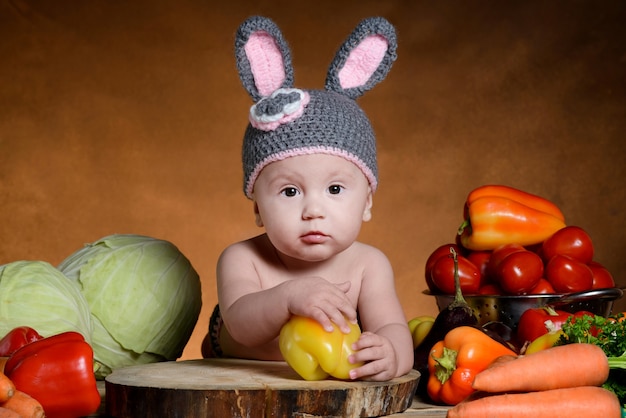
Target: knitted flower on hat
[287, 121]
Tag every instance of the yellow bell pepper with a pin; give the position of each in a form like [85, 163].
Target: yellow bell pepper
[545, 341]
[315, 353]
[420, 326]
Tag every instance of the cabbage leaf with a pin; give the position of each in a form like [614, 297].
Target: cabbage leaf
[36, 294]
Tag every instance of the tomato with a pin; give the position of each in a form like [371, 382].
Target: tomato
[572, 241]
[567, 274]
[491, 289]
[480, 260]
[519, 272]
[441, 251]
[532, 323]
[498, 254]
[543, 287]
[602, 277]
[442, 275]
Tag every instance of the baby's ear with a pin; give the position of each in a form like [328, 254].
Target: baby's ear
[367, 212]
[263, 57]
[257, 216]
[364, 59]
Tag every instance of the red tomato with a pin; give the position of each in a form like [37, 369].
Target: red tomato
[490, 289]
[498, 254]
[441, 251]
[570, 240]
[480, 260]
[567, 274]
[543, 287]
[602, 277]
[443, 275]
[519, 272]
[532, 323]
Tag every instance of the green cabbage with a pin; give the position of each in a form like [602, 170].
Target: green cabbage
[35, 294]
[144, 296]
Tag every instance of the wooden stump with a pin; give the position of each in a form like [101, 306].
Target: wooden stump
[246, 388]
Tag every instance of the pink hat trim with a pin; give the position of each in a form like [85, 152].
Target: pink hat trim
[369, 175]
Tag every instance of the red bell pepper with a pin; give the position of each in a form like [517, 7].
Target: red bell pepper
[58, 372]
[536, 322]
[16, 338]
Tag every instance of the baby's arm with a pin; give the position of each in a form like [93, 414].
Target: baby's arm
[254, 309]
[251, 314]
[386, 345]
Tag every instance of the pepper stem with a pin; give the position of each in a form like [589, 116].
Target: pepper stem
[445, 365]
[550, 310]
[466, 224]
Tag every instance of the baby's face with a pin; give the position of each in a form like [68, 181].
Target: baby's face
[312, 206]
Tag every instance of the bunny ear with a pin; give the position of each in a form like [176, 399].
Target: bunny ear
[364, 59]
[263, 57]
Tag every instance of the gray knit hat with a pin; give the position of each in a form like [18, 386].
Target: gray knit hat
[286, 121]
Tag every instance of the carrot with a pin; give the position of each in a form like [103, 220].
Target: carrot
[25, 405]
[557, 367]
[7, 388]
[3, 361]
[7, 413]
[568, 402]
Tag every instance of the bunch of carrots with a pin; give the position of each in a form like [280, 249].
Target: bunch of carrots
[561, 381]
[15, 403]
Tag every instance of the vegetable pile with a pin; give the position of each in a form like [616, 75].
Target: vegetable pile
[134, 299]
[515, 243]
[554, 362]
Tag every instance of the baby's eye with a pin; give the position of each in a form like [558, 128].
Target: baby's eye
[334, 189]
[289, 191]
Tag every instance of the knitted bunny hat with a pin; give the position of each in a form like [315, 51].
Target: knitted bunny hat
[287, 121]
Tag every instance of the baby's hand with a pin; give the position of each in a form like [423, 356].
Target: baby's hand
[326, 302]
[379, 357]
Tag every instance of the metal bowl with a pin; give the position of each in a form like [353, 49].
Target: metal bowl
[509, 309]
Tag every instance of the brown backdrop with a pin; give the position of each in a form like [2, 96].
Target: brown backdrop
[127, 117]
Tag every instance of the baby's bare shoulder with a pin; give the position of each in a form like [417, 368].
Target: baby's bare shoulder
[251, 247]
[367, 251]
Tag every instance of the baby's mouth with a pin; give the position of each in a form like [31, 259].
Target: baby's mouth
[314, 237]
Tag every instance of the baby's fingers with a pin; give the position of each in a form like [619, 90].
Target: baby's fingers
[329, 315]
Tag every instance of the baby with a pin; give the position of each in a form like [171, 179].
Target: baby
[310, 169]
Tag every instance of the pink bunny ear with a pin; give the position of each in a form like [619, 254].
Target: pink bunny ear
[364, 59]
[263, 57]
[363, 62]
[266, 62]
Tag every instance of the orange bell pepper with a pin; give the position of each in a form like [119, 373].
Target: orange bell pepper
[498, 215]
[315, 353]
[454, 362]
